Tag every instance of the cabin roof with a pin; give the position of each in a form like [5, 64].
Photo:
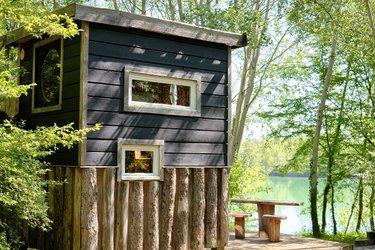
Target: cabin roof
[129, 20]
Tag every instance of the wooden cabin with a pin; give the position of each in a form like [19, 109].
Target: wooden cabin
[156, 175]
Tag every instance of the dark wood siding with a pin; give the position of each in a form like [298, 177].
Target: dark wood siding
[189, 141]
[70, 102]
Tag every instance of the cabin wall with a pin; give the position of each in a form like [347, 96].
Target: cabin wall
[189, 141]
[91, 210]
[70, 99]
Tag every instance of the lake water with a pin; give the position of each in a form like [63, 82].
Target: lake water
[293, 189]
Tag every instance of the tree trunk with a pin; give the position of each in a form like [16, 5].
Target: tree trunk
[247, 83]
[115, 4]
[333, 209]
[327, 188]
[332, 149]
[172, 10]
[134, 6]
[351, 211]
[181, 10]
[360, 204]
[371, 202]
[143, 7]
[314, 157]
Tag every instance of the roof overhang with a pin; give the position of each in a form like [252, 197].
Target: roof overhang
[128, 20]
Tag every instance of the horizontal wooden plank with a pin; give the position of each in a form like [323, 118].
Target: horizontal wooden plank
[194, 160]
[172, 135]
[71, 64]
[116, 105]
[68, 105]
[72, 50]
[117, 92]
[169, 147]
[115, 64]
[71, 91]
[151, 40]
[71, 77]
[110, 159]
[117, 78]
[155, 56]
[153, 120]
[50, 119]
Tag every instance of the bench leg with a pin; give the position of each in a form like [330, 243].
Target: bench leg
[239, 227]
[273, 229]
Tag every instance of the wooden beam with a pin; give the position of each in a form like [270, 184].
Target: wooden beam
[197, 210]
[108, 215]
[223, 224]
[89, 210]
[151, 220]
[77, 209]
[181, 211]
[211, 208]
[136, 219]
[68, 208]
[84, 61]
[168, 194]
[129, 20]
[122, 215]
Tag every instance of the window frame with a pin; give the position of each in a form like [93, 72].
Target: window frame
[193, 81]
[58, 106]
[156, 146]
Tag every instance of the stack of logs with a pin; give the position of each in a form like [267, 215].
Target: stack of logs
[92, 210]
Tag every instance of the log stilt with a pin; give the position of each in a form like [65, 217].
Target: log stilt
[223, 223]
[108, 215]
[197, 210]
[181, 214]
[151, 236]
[89, 210]
[121, 238]
[167, 208]
[211, 208]
[136, 220]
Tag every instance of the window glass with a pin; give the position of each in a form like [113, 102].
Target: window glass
[47, 76]
[50, 76]
[138, 161]
[161, 93]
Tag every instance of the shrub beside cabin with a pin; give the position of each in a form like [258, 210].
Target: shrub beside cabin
[156, 175]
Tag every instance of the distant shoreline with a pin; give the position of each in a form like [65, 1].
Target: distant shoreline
[291, 174]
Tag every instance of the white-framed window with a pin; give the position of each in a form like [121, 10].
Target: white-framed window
[162, 94]
[140, 159]
[47, 74]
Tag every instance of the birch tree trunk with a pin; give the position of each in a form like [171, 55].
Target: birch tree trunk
[314, 157]
[248, 81]
[332, 149]
[181, 10]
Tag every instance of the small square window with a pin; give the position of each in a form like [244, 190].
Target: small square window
[47, 74]
[160, 94]
[140, 159]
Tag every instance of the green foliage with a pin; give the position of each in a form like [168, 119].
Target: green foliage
[253, 165]
[23, 152]
[344, 238]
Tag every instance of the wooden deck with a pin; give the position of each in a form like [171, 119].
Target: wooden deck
[288, 242]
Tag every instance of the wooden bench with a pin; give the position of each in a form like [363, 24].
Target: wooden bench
[272, 226]
[239, 224]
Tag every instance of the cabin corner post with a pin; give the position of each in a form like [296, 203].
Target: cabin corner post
[229, 109]
[84, 61]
